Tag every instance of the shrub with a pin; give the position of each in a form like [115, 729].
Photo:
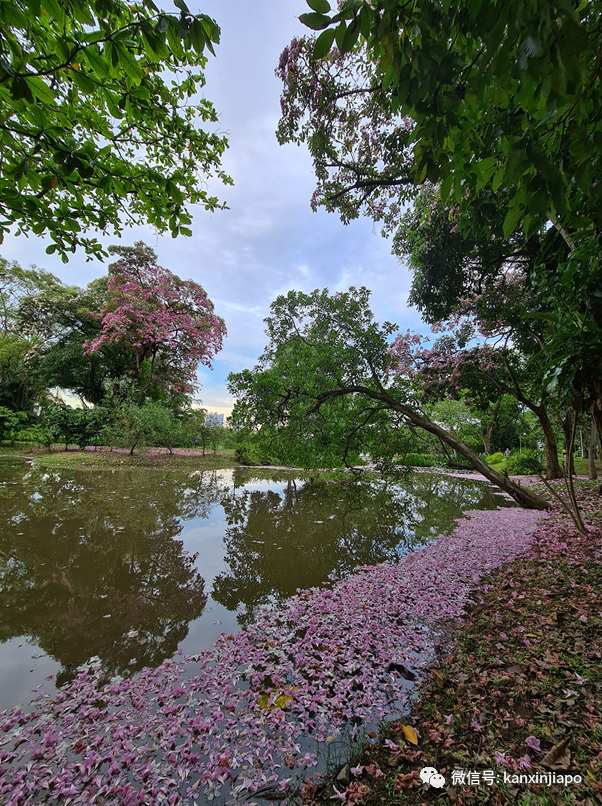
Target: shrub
[495, 458]
[420, 460]
[524, 462]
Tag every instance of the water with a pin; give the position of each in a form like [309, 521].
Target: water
[131, 565]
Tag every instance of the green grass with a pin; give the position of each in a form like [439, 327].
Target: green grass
[58, 457]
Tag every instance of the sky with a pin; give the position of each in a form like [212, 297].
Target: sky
[269, 241]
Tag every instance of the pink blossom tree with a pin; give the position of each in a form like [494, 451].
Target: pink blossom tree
[168, 324]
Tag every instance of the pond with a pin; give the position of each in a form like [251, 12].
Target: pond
[131, 565]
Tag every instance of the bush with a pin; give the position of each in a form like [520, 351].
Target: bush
[524, 463]
[420, 460]
[495, 458]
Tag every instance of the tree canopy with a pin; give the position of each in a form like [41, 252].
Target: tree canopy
[499, 107]
[324, 349]
[100, 106]
[505, 95]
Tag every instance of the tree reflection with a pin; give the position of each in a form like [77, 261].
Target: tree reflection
[278, 542]
[90, 564]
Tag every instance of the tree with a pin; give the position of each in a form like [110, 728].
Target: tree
[323, 348]
[10, 421]
[19, 386]
[507, 96]
[500, 104]
[165, 323]
[99, 114]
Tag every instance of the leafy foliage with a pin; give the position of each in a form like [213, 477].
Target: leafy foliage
[524, 461]
[99, 103]
[158, 318]
[504, 97]
[328, 370]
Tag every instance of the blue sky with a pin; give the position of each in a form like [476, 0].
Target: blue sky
[269, 241]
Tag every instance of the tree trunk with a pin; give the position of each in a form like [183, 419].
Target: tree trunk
[491, 426]
[592, 452]
[524, 497]
[566, 428]
[553, 468]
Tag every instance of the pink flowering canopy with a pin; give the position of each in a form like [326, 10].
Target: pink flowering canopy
[165, 320]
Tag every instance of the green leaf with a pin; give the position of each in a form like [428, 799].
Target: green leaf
[446, 186]
[196, 34]
[54, 9]
[511, 220]
[128, 62]
[340, 34]
[324, 43]
[323, 6]
[497, 178]
[315, 21]
[40, 90]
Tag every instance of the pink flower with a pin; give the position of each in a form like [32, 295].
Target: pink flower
[500, 758]
[533, 743]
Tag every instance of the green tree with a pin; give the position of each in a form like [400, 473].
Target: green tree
[10, 422]
[501, 95]
[99, 103]
[499, 104]
[151, 424]
[326, 347]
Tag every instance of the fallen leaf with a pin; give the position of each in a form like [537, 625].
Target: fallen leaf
[410, 734]
[438, 676]
[559, 757]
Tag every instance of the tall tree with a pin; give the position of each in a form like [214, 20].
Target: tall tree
[168, 325]
[507, 95]
[499, 104]
[326, 347]
[100, 111]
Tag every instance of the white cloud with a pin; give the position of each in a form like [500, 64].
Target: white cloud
[269, 241]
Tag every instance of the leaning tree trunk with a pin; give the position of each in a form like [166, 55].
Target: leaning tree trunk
[524, 497]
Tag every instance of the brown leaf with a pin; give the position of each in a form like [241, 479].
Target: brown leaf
[514, 669]
[559, 757]
[438, 676]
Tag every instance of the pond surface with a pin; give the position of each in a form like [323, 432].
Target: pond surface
[131, 565]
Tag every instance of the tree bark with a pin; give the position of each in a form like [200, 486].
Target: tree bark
[553, 468]
[491, 426]
[566, 428]
[591, 454]
[524, 497]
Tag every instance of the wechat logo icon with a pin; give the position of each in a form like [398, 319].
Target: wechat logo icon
[430, 776]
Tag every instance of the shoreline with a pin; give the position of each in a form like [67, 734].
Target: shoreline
[333, 652]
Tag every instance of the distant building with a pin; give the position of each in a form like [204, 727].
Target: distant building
[213, 418]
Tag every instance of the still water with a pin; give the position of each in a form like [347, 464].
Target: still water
[132, 565]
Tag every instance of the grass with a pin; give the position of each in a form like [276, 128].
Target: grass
[103, 459]
[581, 466]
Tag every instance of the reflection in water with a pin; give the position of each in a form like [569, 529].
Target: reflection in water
[94, 563]
[90, 565]
[277, 542]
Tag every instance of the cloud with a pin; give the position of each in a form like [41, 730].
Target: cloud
[269, 241]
